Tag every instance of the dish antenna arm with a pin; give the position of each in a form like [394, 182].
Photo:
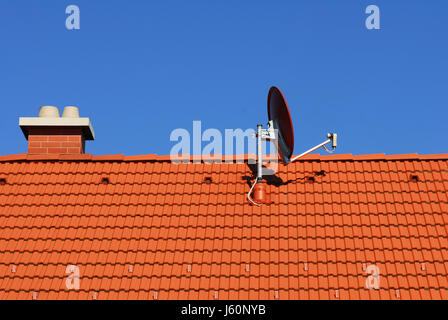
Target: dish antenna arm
[332, 137]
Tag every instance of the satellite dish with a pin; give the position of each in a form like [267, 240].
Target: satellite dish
[278, 113]
[281, 132]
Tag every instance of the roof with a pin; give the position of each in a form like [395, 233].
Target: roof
[141, 227]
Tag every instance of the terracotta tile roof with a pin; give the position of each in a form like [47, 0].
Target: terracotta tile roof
[142, 227]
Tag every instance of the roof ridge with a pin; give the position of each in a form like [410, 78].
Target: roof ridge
[215, 158]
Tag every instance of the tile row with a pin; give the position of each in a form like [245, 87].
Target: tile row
[312, 203]
[223, 284]
[168, 167]
[280, 178]
[182, 294]
[51, 253]
[271, 237]
[384, 192]
[223, 269]
[276, 215]
[375, 224]
[194, 238]
[349, 225]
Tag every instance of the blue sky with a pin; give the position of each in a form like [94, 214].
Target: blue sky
[140, 69]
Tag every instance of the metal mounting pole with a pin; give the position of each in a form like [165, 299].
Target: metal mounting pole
[260, 154]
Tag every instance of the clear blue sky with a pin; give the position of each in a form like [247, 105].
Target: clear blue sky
[140, 69]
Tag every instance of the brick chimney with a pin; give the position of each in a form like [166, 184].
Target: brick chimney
[50, 134]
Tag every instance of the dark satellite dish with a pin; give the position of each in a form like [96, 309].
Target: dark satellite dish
[278, 113]
[281, 132]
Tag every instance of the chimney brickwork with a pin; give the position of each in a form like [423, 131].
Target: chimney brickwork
[55, 140]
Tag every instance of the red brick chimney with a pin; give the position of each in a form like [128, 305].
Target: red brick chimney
[51, 134]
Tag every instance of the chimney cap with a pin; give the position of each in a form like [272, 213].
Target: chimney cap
[70, 112]
[48, 112]
[47, 118]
